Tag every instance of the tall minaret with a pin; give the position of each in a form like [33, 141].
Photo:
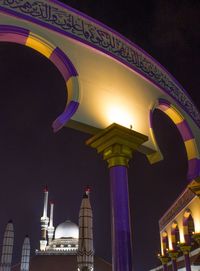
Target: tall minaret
[25, 255]
[51, 227]
[44, 222]
[7, 250]
[85, 254]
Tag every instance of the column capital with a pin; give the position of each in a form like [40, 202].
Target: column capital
[164, 259]
[194, 186]
[117, 144]
[185, 248]
[173, 254]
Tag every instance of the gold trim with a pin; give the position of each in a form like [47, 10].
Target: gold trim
[117, 144]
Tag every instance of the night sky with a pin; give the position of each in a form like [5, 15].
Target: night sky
[33, 94]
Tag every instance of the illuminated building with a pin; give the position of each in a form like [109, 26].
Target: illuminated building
[67, 246]
[180, 234]
[116, 110]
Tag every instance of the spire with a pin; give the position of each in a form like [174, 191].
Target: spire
[25, 259]
[7, 250]
[51, 227]
[45, 201]
[85, 254]
[44, 222]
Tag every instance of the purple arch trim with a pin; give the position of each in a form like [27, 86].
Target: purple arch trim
[166, 86]
[61, 61]
[186, 134]
[185, 130]
[63, 64]
[193, 169]
[13, 34]
[65, 116]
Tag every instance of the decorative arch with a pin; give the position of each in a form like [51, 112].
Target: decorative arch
[188, 226]
[58, 57]
[175, 235]
[186, 134]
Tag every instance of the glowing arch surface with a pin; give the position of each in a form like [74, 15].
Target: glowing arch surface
[117, 81]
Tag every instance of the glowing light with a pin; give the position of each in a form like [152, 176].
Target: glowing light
[170, 244]
[197, 221]
[119, 115]
[182, 239]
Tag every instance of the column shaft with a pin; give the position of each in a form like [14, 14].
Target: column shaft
[187, 262]
[121, 226]
[174, 265]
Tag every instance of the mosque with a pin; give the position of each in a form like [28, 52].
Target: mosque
[65, 247]
[180, 232]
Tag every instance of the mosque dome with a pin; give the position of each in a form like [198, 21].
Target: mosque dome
[67, 229]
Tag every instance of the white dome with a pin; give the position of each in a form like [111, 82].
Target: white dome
[67, 229]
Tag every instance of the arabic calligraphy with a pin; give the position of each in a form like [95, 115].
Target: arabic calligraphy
[105, 40]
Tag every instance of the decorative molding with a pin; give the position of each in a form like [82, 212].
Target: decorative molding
[176, 208]
[69, 22]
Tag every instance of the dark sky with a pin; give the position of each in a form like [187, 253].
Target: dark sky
[31, 155]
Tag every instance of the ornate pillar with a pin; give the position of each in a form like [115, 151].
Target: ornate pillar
[117, 144]
[173, 255]
[164, 260]
[186, 250]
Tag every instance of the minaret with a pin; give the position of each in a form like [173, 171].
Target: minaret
[25, 255]
[51, 227]
[7, 250]
[44, 222]
[85, 254]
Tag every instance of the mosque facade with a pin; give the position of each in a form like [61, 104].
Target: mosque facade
[180, 233]
[65, 247]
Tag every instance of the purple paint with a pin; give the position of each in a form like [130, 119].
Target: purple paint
[164, 102]
[60, 65]
[151, 119]
[184, 130]
[187, 262]
[106, 52]
[165, 267]
[193, 169]
[121, 227]
[14, 29]
[63, 64]
[13, 34]
[65, 116]
[174, 265]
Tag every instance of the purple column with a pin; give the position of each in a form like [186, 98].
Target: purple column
[165, 268]
[187, 262]
[174, 265]
[121, 226]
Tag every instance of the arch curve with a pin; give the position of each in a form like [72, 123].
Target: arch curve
[186, 133]
[25, 37]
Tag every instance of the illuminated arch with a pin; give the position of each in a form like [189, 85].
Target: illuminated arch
[54, 54]
[186, 134]
[175, 235]
[188, 226]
